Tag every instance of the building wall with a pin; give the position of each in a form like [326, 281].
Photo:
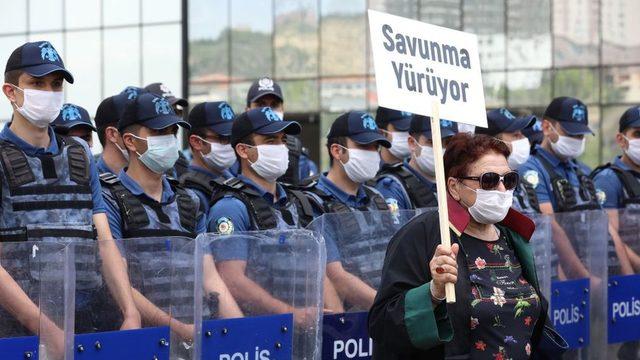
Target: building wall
[531, 51]
[106, 44]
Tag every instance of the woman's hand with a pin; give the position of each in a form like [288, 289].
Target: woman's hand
[444, 269]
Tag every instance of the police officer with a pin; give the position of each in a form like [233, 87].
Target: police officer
[394, 125]
[212, 153]
[505, 126]
[255, 201]
[560, 181]
[533, 133]
[179, 105]
[618, 187]
[114, 156]
[75, 121]
[411, 184]
[51, 190]
[142, 202]
[266, 92]
[352, 143]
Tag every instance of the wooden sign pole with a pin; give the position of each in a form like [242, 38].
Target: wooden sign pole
[441, 184]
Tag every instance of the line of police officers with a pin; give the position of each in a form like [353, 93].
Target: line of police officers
[51, 188]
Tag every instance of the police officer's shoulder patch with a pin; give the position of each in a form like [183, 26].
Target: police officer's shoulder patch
[392, 204]
[224, 226]
[601, 196]
[532, 178]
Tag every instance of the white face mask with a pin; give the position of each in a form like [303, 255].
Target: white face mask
[567, 147]
[363, 165]
[633, 152]
[520, 150]
[273, 161]
[161, 154]
[40, 107]
[491, 206]
[221, 156]
[399, 144]
[124, 152]
[426, 161]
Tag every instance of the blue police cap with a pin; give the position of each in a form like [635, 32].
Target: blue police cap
[218, 116]
[110, 109]
[71, 116]
[503, 121]
[152, 111]
[359, 127]
[571, 113]
[421, 124]
[37, 59]
[263, 121]
[630, 118]
[401, 120]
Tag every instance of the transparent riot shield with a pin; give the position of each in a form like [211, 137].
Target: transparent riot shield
[541, 246]
[575, 251]
[161, 272]
[261, 295]
[356, 246]
[623, 308]
[35, 277]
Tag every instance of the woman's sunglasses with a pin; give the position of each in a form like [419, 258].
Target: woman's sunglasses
[491, 180]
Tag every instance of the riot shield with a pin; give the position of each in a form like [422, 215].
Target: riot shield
[356, 245]
[35, 277]
[162, 275]
[262, 295]
[623, 310]
[577, 262]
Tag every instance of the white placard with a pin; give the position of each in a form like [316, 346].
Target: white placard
[418, 63]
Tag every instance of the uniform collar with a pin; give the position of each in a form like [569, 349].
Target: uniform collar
[554, 160]
[8, 135]
[102, 165]
[417, 174]
[459, 220]
[280, 193]
[360, 199]
[136, 189]
[619, 163]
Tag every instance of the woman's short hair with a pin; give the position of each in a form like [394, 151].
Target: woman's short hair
[465, 148]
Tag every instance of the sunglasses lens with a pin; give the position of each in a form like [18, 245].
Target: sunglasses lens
[511, 180]
[489, 181]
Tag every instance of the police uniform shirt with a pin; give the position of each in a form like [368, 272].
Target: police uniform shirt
[535, 174]
[609, 189]
[30, 150]
[168, 195]
[102, 166]
[306, 167]
[355, 202]
[203, 198]
[395, 194]
[229, 215]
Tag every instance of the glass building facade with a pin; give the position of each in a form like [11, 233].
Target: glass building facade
[531, 52]
[318, 50]
[106, 44]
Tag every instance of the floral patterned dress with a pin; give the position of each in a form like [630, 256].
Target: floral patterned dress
[504, 306]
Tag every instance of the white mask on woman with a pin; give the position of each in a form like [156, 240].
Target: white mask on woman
[491, 206]
[363, 165]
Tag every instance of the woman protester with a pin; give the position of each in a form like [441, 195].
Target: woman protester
[500, 312]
